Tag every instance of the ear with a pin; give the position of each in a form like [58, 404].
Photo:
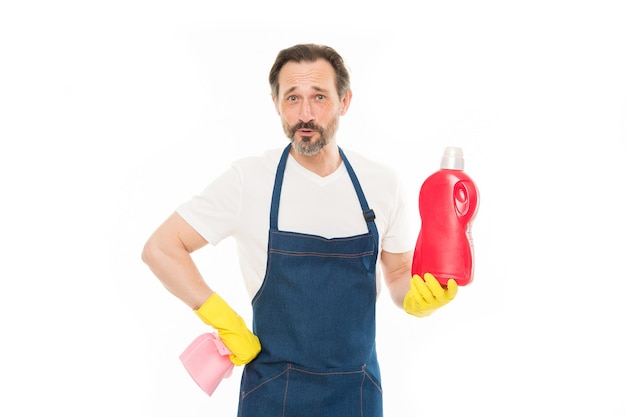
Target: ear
[345, 102]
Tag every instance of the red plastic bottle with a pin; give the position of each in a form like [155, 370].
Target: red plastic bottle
[448, 201]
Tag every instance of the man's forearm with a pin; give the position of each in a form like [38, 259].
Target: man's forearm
[175, 268]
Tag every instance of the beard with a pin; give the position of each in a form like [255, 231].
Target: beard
[307, 146]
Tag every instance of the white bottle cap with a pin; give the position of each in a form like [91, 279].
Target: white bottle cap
[453, 158]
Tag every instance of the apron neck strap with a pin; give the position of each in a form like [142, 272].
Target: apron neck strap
[368, 214]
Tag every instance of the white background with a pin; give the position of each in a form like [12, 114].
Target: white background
[113, 113]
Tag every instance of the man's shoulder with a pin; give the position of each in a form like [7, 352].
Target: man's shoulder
[362, 162]
[267, 159]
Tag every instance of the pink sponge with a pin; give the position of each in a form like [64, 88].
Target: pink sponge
[207, 361]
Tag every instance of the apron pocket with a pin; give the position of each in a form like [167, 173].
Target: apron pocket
[372, 396]
[263, 390]
[337, 392]
[287, 390]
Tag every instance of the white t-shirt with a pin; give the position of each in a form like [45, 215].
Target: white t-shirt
[237, 204]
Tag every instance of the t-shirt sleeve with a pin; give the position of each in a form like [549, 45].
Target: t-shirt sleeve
[214, 212]
[400, 236]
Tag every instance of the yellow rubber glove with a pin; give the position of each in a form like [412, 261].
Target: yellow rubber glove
[231, 328]
[427, 295]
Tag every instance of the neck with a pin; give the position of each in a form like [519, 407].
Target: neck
[323, 163]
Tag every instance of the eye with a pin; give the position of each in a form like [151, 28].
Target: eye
[291, 98]
[320, 97]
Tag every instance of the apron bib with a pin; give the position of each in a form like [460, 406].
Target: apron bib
[315, 317]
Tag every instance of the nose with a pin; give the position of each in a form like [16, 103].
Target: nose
[306, 111]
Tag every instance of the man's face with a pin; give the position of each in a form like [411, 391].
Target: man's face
[308, 104]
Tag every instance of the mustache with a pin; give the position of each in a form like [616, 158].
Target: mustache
[307, 125]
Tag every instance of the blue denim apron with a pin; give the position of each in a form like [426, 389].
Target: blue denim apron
[315, 317]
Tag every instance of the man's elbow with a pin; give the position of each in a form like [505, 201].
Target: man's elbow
[148, 254]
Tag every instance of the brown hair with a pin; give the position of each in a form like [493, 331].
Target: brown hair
[311, 53]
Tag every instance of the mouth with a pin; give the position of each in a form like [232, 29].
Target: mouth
[306, 131]
[306, 134]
